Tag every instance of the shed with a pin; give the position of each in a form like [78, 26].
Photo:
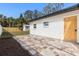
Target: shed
[62, 24]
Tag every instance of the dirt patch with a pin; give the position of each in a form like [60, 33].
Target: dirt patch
[10, 47]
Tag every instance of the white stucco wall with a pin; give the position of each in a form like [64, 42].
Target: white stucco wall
[0, 29]
[56, 26]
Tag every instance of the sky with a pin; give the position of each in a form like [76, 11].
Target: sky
[15, 9]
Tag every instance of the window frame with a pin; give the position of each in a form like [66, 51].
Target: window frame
[34, 26]
[46, 24]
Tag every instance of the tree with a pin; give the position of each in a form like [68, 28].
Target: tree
[37, 14]
[10, 21]
[21, 16]
[1, 20]
[52, 7]
[17, 22]
[1, 16]
[5, 22]
[21, 19]
[28, 14]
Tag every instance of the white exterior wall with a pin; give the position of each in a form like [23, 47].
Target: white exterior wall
[24, 28]
[0, 29]
[56, 26]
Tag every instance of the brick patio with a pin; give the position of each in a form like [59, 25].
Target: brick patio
[38, 46]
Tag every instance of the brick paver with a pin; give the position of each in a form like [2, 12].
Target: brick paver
[47, 47]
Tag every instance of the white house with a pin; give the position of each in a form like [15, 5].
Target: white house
[63, 25]
[0, 29]
[25, 27]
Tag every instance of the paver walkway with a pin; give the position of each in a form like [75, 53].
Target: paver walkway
[47, 46]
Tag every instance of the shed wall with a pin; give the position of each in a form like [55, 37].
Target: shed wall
[56, 26]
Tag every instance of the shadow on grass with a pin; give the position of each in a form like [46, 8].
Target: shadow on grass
[6, 34]
[10, 47]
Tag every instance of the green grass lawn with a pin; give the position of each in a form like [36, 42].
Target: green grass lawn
[12, 31]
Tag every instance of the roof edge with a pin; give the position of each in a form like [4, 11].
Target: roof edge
[72, 8]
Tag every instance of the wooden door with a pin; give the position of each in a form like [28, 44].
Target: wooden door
[70, 28]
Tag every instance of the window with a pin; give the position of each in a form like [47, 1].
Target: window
[46, 24]
[27, 27]
[34, 26]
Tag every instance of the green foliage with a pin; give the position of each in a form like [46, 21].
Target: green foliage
[29, 15]
[37, 14]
